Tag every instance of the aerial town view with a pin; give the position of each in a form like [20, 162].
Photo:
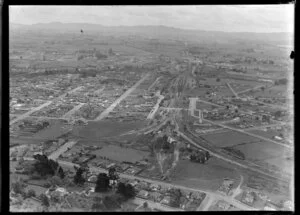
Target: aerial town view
[151, 108]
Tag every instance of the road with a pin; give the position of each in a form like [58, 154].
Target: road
[69, 113]
[20, 117]
[250, 134]
[117, 101]
[245, 132]
[265, 126]
[234, 93]
[253, 88]
[61, 150]
[149, 88]
[132, 177]
[153, 111]
[153, 204]
[224, 158]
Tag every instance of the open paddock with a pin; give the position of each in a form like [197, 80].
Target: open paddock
[230, 138]
[207, 176]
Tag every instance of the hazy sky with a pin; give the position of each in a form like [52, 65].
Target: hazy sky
[246, 18]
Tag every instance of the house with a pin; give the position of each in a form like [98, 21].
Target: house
[143, 194]
[166, 200]
[155, 196]
[155, 187]
[223, 205]
[248, 198]
[183, 202]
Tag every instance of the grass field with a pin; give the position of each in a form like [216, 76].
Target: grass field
[56, 129]
[230, 138]
[268, 134]
[103, 129]
[121, 154]
[207, 176]
[269, 153]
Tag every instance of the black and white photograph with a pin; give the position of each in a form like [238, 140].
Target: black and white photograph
[135, 108]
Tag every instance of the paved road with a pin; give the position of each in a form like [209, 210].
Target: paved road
[61, 150]
[132, 177]
[20, 117]
[234, 93]
[117, 101]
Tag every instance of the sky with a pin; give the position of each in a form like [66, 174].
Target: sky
[230, 18]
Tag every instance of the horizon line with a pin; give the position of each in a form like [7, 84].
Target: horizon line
[187, 29]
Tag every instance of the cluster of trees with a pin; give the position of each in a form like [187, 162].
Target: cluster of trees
[45, 166]
[175, 195]
[199, 156]
[235, 152]
[18, 187]
[100, 56]
[161, 144]
[78, 178]
[282, 81]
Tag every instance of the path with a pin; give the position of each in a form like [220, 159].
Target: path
[238, 190]
[117, 101]
[20, 117]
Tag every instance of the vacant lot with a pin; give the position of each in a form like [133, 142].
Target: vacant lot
[268, 134]
[230, 138]
[268, 152]
[56, 129]
[203, 176]
[103, 129]
[121, 154]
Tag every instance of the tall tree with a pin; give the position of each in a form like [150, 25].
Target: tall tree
[102, 183]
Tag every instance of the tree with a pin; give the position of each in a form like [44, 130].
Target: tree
[78, 178]
[98, 205]
[175, 198]
[45, 200]
[99, 55]
[110, 51]
[18, 187]
[126, 190]
[31, 193]
[112, 174]
[112, 202]
[102, 183]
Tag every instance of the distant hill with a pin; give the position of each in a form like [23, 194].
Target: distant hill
[160, 32]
